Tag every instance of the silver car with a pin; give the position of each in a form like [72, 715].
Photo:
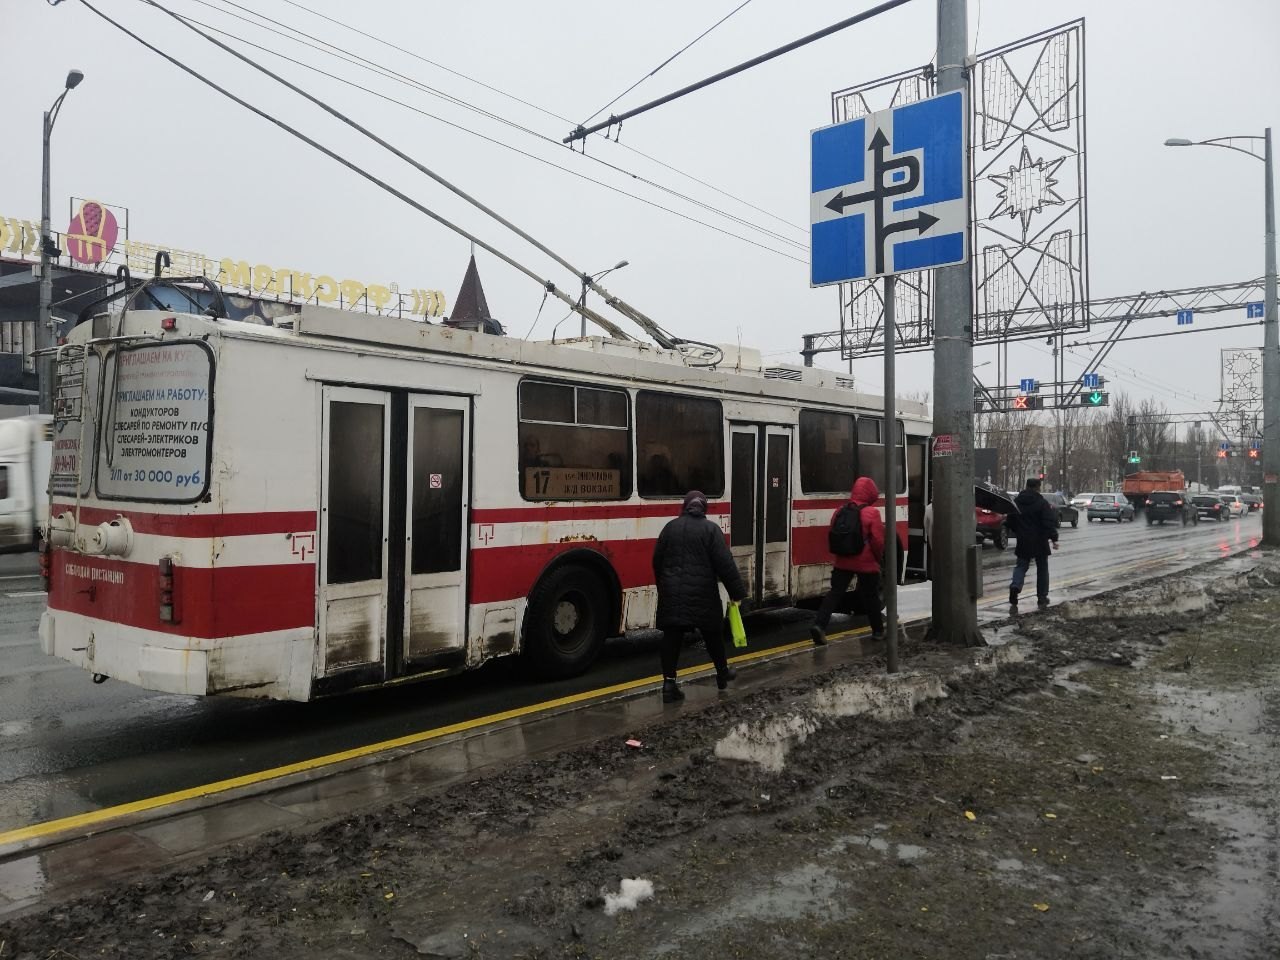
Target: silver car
[1110, 506]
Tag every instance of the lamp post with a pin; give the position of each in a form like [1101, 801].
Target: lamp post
[590, 278]
[1271, 334]
[48, 249]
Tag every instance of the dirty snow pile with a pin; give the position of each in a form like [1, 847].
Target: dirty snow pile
[632, 893]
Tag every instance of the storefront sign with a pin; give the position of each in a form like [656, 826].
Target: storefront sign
[92, 234]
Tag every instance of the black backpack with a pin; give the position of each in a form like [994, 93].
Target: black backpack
[844, 539]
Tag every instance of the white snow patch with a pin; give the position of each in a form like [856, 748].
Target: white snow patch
[630, 895]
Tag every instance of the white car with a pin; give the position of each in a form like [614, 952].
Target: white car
[1238, 507]
[1081, 501]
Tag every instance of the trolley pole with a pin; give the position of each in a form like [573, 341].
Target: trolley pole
[890, 438]
[955, 613]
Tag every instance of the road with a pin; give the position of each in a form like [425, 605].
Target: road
[68, 745]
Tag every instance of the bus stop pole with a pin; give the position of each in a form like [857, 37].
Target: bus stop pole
[890, 439]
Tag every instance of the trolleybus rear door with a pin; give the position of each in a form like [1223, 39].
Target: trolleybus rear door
[437, 499]
[353, 529]
[760, 494]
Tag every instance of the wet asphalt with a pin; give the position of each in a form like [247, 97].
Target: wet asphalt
[68, 745]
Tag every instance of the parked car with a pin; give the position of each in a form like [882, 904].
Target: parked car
[1163, 505]
[1238, 507]
[991, 527]
[1110, 506]
[1065, 511]
[1211, 507]
[1252, 501]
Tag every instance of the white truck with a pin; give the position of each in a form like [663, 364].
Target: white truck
[26, 449]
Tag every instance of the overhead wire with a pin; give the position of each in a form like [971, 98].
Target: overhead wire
[504, 145]
[330, 49]
[665, 62]
[354, 168]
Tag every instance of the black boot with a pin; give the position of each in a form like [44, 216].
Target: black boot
[724, 676]
[671, 692]
[817, 635]
[1042, 601]
[1013, 596]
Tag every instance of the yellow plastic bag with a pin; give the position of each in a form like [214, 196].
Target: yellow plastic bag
[736, 629]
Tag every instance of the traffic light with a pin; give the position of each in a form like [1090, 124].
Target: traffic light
[1094, 398]
[1223, 454]
[1254, 453]
[1027, 401]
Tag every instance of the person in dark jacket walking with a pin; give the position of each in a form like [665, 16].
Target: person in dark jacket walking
[865, 566]
[689, 560]
[1036, 525]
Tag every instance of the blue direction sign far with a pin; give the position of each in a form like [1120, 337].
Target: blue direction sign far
[1091, 381]
[1027, 385]
[1184, 318]
[1224, 445]
[1254, 311]
[888, 192]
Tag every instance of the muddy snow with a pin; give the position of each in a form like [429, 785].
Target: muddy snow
[1102, 784]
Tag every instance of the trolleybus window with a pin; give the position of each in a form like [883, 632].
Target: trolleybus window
[680, 445]
[157, 405]
[828, 452]
[436, 509]
[68, 459]
[575, 443]
[4, 483]
[355, 492]
[871, 454]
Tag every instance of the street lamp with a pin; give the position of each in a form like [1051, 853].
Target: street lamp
[48, 249]
[590, 278]
[1271, 334]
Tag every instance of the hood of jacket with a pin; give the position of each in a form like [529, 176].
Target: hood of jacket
[695, 504]
[1027, 496]
[864, 492]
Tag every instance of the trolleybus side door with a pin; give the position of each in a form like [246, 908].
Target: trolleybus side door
[437, 499]
[353, 529]
[760, 493]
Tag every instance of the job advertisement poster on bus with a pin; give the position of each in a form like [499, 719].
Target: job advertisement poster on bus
[155, 445]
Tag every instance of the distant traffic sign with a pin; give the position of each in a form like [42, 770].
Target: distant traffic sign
[1095, 398]
[1027, 385]
[1184, 318]
[1255, 311]
[1091, 381]
[901, 209]
[1224, 445]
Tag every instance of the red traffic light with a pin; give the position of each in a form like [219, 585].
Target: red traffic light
[1222, 454]
[1253, 453]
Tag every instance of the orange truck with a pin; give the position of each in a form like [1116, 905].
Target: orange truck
[1137, 485]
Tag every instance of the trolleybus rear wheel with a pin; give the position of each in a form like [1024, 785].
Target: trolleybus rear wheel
[564, 626]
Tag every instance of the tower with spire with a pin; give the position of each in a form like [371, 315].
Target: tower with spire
[471, 309]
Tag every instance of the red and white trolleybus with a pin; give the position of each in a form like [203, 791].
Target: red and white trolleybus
[291, 512]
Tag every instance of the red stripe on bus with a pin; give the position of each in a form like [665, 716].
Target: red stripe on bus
[549, 513]
[509, 573]
[222, 602]
[200, 525]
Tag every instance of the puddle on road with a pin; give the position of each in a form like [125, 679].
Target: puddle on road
[892, 697]
[1228, 712]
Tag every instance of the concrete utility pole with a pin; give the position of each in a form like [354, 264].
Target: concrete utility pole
[44, 328]
[955, 613]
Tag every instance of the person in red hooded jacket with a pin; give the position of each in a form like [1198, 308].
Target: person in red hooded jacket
[865, 566]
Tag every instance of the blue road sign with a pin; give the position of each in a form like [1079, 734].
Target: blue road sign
[1027, 385]
[1254, 311]
[1184, 318]
[888, 192]
[1224, 445]
[1091, 381]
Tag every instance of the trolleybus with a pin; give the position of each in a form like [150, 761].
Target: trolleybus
[292, 511]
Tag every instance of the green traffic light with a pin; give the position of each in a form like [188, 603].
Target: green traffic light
[1095, 398]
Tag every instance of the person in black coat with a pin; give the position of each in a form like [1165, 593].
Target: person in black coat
[690, 559]
[1036, 526]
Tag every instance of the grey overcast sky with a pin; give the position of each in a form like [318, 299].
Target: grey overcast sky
[197, 172]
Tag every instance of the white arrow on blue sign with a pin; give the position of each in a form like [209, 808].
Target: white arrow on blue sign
[1091, 381]
[1224, 445]
[1184, 318]
[888, 192]
[1254, 311]
[1027, 385]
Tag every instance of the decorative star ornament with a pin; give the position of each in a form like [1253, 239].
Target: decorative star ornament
[1027, 188]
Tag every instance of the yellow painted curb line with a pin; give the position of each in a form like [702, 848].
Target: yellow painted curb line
[94, 818]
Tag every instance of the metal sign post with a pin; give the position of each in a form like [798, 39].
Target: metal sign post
[890, 439]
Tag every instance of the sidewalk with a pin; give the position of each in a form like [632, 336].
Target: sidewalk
[1101, 784]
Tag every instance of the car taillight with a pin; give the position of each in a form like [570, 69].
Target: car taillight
[1177, 503]
[167, 594]
[46, 564]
